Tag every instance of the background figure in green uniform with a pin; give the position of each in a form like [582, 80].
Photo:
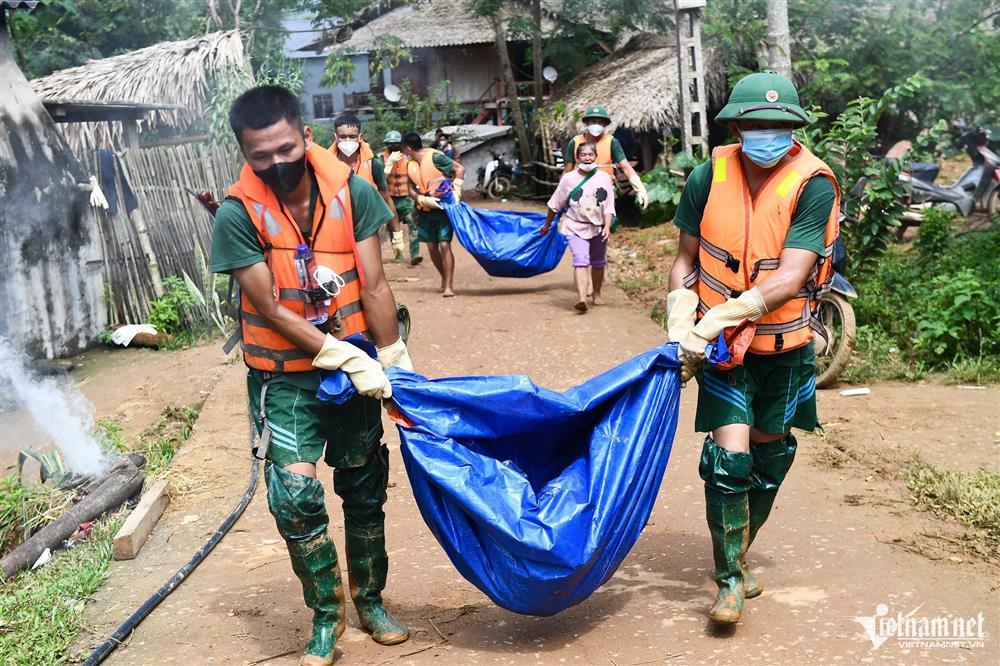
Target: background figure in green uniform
[427, 168]
[285, 162]
[757, 224]
[399, 188]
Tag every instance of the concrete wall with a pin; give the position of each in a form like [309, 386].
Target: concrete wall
[51, 255]
[312, 74]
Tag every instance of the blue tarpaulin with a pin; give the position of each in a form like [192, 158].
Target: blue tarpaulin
[536, 495]
[507, 243]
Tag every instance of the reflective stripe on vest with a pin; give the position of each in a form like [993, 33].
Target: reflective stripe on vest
[425, 176]
[334, 247]
[742, 239]
[604, 160]
[399, 180]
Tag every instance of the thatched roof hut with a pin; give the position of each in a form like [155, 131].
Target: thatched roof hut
[429, 24]
[638, 84]
[175, 75]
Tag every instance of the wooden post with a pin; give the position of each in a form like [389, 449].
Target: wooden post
[138, 526]
[691, 77]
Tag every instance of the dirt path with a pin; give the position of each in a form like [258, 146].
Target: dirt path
[843, 540]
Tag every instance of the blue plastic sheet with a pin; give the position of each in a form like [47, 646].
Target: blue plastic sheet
[507, 243]
[536, 495]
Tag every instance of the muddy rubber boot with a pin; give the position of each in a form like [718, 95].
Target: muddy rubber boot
[771, 462]
[727, 479]
[315, 564]
[367, 568]
[296, 502]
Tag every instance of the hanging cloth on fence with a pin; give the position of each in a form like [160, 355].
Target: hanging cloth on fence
[537, 496]
[506, 243]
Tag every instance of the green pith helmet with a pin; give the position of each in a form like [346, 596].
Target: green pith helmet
[392, 136]
[764, 96]
[596, 111]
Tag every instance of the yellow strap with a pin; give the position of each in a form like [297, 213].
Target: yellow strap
[785, 186]
[719, 171]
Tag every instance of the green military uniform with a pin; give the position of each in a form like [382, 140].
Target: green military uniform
[433, 225]
[302, 428]
[404, 204]
[773, 393]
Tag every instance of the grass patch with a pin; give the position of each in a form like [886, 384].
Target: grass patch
[41, 611]
[971, 498]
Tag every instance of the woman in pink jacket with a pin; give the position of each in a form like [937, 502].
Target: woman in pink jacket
[585, 199]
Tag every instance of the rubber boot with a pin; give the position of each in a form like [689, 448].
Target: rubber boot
[368, 567]
[363, 490]
[296, 502]
[727, 480]
[771, 462]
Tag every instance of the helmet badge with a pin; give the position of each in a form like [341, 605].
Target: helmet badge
[771, 96]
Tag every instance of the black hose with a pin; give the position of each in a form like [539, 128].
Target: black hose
[114, 640]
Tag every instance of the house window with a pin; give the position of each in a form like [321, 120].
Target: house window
[323, 106]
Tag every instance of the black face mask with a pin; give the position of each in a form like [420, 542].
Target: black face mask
[283, 177]
[393, 148]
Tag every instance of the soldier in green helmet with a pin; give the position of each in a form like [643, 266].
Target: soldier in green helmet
[757, 227]
[399, 188]
[610, 154]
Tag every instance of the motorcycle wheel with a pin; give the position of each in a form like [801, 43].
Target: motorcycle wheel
[499, 187]
[837, 318]
[992, 206]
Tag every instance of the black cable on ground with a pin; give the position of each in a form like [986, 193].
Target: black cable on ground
[114, 640]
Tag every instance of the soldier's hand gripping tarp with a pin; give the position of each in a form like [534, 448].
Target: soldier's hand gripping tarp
[537, 496]
[506, 243]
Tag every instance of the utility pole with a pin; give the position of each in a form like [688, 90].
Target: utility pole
[691, 77]
[779, 54]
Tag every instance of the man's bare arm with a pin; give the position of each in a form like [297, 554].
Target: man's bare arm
[684, 263]
[788, 279]
[376, 296]
[257, 284]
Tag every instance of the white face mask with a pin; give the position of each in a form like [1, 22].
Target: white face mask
[348, 148]
[587, 167]
[595, 129]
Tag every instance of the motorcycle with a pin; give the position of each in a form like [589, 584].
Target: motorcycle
[835, 328]
[978, 186]
[497, 178]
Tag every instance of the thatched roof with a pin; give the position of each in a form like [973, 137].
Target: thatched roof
[428, 24]
[637, 84]
[167, 74]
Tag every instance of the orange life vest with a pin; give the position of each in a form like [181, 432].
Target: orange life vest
[604, 160]
[264, 348]
[399, 181]
[742, 238]
[363, 167]
[425, 176]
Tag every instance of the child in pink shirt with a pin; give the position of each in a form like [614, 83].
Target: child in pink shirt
[585, 198]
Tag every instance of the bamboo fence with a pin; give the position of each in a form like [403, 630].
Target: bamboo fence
[158, 239]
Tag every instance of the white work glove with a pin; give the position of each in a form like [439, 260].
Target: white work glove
[640, 190]
[364, 372]
[457, 185]
[97, 198]
[390, 161]
[397, 242]
[682, 304]
[395, 354]
[750, 305]
[429, 202]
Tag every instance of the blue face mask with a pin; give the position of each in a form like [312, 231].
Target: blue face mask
[766, 147]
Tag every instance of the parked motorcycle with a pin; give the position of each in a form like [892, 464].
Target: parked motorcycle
[978, 186]
[498, 177]
[834, 326]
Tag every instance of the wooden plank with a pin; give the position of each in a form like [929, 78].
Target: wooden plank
[140, 522]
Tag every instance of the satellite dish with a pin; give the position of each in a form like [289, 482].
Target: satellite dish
[550, 74]
[392, 93]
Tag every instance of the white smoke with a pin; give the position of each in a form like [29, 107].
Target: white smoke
[57, 408]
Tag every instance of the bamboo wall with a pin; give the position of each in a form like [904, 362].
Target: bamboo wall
[157, 240]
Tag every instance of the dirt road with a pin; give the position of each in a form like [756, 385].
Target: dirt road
[844, 540]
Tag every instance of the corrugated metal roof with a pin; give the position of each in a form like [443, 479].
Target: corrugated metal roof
[19, 4]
